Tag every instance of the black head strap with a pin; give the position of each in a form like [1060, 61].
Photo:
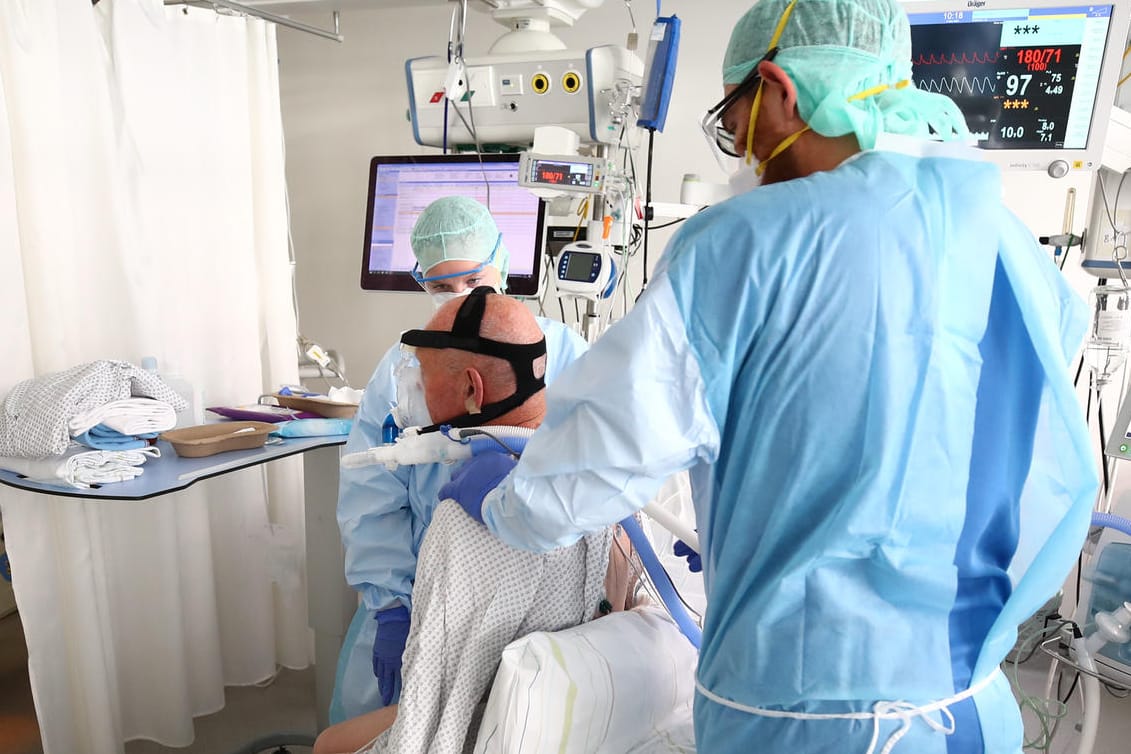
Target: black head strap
[465, 336]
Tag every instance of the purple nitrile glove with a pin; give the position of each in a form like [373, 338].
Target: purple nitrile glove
[477, 477]
[683, 550]
[388, 649]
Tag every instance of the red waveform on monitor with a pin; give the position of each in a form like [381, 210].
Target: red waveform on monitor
[956, 58]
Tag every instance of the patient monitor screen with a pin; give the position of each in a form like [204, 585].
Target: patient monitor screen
[401, 187]
[1024, 78]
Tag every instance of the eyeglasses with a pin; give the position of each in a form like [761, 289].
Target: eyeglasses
[715, 130]
[420, 279]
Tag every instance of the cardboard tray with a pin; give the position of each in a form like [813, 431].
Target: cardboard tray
[209, 439]
[322, 406]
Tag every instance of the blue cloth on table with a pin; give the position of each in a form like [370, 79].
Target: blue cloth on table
[101, 437]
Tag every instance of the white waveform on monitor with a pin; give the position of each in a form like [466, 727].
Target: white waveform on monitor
[959, 85]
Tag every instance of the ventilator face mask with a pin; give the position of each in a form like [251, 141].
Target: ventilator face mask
[411, 409]
[464, 336]
[442, 297]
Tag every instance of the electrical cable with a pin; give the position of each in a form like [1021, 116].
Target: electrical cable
[510, 451]
[478, 148]
[648, 194]
[668, 224]
[1071, 689]
[1103, 441]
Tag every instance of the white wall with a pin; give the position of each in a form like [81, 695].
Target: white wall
[342, 104]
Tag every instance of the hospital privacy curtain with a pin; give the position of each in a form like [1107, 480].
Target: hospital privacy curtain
[143, 212]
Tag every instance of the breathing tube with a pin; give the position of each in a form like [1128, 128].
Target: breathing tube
[1112, 521]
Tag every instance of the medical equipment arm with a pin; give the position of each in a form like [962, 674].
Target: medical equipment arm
[374, 513]
[630, 413]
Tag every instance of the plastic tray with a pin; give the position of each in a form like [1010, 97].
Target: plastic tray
[322, 406]
[209, 439]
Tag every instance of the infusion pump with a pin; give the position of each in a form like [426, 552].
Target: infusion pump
[555, 174]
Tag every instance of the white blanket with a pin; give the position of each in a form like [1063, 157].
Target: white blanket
[473, 596]
[81, 467]
[130, 416]
[35, 415]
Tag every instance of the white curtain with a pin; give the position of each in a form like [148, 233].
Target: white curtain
[142, 212]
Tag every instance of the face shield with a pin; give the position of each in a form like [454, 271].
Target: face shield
[411, 409]
[719, 137]
[422, 281]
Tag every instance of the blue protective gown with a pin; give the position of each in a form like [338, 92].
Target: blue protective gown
[383, 514]
[866, 372]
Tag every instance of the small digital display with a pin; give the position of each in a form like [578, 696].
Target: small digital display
[579, 266]
[578, 174]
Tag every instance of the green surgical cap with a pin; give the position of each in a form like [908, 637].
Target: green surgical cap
[836, 49]
[458, 228]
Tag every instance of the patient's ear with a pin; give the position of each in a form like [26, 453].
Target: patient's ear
[473, 390]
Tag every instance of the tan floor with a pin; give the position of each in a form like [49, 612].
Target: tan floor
[249, 712]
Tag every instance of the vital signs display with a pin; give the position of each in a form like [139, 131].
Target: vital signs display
[1025, 78]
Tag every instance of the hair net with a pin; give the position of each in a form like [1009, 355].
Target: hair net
[457, 227]
[851, 63]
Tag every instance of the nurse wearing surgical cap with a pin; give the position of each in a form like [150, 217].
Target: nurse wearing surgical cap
[862, 360]
[383, 514]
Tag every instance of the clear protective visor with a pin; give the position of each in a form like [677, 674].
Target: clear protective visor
[419, 277]
[719, 137]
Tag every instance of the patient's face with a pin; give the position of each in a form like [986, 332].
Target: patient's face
[444, 387]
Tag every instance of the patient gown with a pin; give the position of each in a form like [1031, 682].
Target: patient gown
[473, 596]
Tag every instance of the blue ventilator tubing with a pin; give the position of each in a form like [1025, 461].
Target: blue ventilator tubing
[1111, 521]
[662, 582]
[660, 578]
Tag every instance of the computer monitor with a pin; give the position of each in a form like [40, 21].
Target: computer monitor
[401, 186]
[1036, 80]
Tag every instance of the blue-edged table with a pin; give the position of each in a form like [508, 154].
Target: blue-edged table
[331, 602]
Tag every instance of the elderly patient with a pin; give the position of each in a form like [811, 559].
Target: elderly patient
[481, 363]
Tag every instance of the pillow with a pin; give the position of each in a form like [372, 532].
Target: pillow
[610, 686]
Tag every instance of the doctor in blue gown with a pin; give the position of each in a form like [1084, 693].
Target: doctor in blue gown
[864, 364]
[383, 514]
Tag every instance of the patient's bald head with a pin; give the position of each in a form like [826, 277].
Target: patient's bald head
[459, 382]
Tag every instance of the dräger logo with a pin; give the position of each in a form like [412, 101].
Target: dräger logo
[976, 3]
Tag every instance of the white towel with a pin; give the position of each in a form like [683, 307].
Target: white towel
[81, 468]
[130, 416]
[35, 415]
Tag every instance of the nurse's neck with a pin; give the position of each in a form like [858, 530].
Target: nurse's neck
[811, 153]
